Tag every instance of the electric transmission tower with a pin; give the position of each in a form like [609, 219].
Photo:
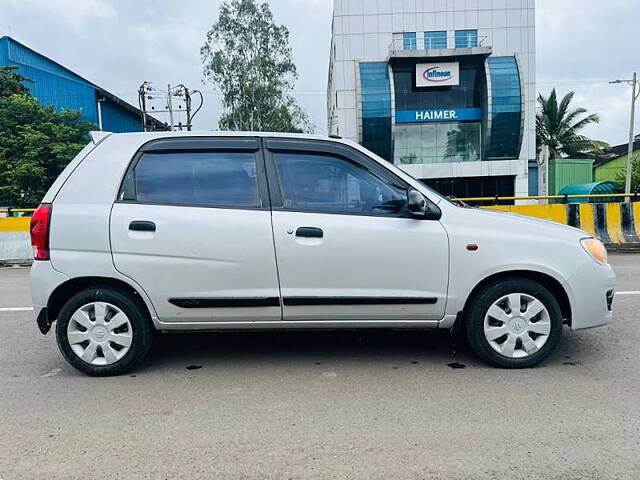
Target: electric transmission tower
[175, 100]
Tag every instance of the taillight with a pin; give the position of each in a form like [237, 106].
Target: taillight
[40, 225]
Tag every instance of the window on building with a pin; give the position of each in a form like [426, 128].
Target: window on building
[224, 179]
[437, 143]
[334, 185]
[466, 38]
[506, 116]
[435, 40]
[470, 187]
[409, 41]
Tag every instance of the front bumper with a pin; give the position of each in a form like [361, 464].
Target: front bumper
[591, 295]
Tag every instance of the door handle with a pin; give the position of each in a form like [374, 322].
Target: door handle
[309, 232]
[142, 226]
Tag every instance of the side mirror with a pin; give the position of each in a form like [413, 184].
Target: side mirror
[420, 207]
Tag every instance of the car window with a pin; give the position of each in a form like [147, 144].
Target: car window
[330, 184]
[226, 179]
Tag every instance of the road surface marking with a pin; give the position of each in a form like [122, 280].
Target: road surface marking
[632, 292]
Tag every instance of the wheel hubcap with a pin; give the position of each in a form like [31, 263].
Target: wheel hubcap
[99, 333]
[517, 325]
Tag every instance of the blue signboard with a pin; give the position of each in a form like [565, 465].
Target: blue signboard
[438, 115]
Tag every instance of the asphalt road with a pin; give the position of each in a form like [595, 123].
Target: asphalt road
[370, 405]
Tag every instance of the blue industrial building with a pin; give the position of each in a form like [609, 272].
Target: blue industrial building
[56, 85]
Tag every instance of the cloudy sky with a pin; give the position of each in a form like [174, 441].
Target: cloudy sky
[581, 45]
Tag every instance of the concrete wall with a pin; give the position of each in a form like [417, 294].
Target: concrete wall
[15, 244]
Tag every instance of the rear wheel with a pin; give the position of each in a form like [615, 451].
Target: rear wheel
[514, 323]
[104, 331]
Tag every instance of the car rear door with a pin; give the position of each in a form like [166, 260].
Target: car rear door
[346, 245]
[192, 226]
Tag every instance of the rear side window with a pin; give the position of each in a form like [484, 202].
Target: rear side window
[223, 179]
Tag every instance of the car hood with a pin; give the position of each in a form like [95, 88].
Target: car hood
[521, 223]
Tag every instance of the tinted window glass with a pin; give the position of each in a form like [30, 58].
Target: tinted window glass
[331, 184]
[198, 178]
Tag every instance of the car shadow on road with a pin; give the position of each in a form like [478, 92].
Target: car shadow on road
[383, 346]
[388, 348]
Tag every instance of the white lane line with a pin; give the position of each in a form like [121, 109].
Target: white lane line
[631, 292]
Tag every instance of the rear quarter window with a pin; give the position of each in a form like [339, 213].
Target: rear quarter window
[222, 179]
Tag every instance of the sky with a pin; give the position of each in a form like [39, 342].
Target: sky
[118, 44]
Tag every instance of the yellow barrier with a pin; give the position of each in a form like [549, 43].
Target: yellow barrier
[14, 224]
[613, 223]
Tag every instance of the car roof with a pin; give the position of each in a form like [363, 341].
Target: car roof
[96, 136]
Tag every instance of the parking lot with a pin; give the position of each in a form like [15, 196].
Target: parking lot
[371, 405]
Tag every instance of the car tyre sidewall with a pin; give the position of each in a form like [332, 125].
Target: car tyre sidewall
[140, 324]
[486, 297]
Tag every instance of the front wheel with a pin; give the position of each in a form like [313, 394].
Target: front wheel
[104, 331]
[514, 323]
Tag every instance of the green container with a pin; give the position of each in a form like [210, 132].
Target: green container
[569, 171]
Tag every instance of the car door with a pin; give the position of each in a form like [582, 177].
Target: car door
[347, 247]
[192, 227]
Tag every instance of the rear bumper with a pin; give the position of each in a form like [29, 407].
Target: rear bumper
[593, 287]
[44, 280]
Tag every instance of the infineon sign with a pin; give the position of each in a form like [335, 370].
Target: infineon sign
[437, 74]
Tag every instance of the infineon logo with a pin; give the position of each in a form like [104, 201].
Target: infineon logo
[437, 74]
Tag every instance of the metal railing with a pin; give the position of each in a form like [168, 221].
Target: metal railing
[10, 210]
[634, 197]
[421, 43]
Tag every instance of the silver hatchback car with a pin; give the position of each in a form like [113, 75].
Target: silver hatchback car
[209, 231]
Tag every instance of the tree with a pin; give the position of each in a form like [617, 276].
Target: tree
[558, 127]
[248, 57]
[621, 176]
[36, 143]
[11, 82]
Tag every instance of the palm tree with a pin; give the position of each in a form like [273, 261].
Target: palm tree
[558, 127]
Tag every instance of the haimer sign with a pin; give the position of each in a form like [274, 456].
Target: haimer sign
[437, 74]
[438, 115]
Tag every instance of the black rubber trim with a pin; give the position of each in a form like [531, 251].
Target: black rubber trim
[301, 301]
[44, 324]
[225, 302]
[203, 144]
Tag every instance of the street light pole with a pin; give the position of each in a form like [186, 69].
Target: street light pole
[634, 96]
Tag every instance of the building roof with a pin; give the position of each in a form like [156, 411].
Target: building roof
[616, 152]
[73, 76]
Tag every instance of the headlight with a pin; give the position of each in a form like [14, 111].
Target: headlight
[596, 249]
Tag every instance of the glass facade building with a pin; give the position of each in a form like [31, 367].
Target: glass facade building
[444, 89]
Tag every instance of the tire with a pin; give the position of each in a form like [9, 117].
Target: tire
[104, 331]
[504, 338]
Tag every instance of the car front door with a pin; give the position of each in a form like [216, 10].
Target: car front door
[192, 226]
[346, 245]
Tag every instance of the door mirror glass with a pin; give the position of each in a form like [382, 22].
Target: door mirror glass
[416, 203]
[420, 207]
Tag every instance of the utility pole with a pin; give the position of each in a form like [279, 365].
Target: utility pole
[543, 173]
[634, 83]
[169, 94]
[149, 98]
